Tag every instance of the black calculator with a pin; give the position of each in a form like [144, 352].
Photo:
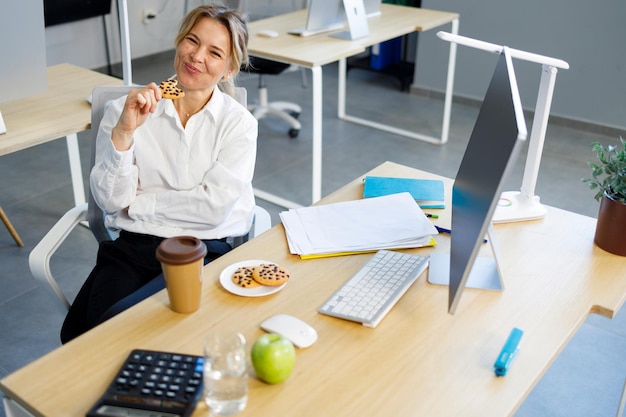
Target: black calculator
[153, 384]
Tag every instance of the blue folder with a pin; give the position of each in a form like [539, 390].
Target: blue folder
[427, 193]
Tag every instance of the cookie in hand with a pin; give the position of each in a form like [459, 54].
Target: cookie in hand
[170, 90]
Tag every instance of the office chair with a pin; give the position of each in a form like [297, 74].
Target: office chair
[286, 111]
[39, 258]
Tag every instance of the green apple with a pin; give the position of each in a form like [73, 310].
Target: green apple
[273, 357]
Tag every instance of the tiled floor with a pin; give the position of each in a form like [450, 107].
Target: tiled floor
[585, 380]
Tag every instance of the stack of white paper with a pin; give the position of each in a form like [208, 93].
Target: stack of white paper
[390, 222]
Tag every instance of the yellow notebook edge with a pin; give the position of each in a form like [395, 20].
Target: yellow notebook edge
[432, 242]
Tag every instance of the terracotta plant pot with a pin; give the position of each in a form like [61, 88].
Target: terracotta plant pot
[611, 226]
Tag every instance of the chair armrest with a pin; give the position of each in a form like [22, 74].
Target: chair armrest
[262, 221]
[13, 409]
[39, 258]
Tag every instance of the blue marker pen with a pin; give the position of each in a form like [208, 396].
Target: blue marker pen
[448, 231]
[508, 352]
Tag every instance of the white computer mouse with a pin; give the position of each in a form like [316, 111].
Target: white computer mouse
[267, 33]
[299, 332]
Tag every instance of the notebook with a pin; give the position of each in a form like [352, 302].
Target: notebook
[427, 193]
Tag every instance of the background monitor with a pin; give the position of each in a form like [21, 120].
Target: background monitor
[330, 15]
[324, 15]
[64, 11]
[372, 7]
[23, 51]
[492, 149]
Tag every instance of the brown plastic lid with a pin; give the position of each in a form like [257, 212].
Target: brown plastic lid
[181, 250]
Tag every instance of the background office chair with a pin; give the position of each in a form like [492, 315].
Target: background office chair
[39, 258]
[286, 111]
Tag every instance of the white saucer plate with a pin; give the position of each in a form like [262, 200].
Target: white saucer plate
[230, 286]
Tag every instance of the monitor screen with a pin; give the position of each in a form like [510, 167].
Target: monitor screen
[64, 11]
[491, 151]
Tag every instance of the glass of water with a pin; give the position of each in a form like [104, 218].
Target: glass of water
[225, 373]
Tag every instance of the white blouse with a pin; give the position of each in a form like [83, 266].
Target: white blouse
[178, 181]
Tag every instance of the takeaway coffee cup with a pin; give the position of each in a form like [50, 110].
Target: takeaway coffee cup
[181, 258]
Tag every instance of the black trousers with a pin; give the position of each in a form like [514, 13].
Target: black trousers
[126, 272]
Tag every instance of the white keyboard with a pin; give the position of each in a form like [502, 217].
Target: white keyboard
[369, 294]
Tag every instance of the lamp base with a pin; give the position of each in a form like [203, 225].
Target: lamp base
[513, 207]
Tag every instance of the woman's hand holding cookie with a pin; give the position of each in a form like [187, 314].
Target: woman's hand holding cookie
[138, 106]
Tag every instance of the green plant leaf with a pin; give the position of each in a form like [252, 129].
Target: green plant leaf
[608, 173]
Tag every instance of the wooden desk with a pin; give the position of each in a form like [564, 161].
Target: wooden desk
[420, 361]
[61, 111]
[315, 51]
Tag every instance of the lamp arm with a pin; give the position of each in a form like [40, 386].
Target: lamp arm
[538, 133]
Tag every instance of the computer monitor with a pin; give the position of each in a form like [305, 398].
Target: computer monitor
[322, 16]
[23, 51]
[372, 7]
[330, 15]
[494, 144]
[63, 11]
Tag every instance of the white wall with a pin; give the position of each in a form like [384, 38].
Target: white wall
[83, 43]
[589, 35]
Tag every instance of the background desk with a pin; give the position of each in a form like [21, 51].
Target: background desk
[420, 361]
[315, 51]
[62, 111]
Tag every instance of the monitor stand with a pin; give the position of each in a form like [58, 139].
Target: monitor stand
[3, 127]
[357, 21]
[485, 274]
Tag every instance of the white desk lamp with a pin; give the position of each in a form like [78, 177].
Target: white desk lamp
[524, 204]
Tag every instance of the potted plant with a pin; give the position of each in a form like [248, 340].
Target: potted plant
[608, 179]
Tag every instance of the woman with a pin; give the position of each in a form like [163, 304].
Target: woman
[172, 167]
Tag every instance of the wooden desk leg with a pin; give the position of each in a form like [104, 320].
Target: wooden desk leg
[10, 227]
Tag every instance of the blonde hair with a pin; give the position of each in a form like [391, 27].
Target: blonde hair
[236, 25]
